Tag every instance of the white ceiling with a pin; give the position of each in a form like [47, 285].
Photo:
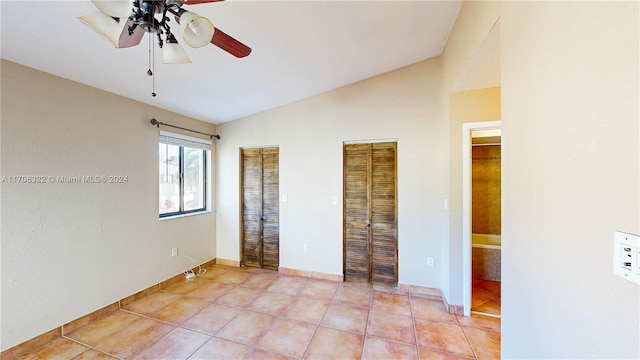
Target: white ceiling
[300, 48]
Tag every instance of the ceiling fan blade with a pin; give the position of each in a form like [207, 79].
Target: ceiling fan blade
[194, 2]
[134, 39]
[229, 44]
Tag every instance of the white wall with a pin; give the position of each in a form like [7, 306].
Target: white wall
[571, 159]
[571, 156]
[70, 249]
[402, 105]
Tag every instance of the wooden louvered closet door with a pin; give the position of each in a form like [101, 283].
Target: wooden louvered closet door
[370, 215]
[356, 213]
[251, 207]
[260, 208]
[270, 209]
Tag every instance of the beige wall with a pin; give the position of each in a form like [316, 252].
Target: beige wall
[475, 21]
[570, 173]
[569, 109]
[402, 105]
[69, 249]
[464, 106]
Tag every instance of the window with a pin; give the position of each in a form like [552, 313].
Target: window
[183, 174]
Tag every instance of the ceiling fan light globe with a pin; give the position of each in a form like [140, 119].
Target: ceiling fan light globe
[197, 31]
[173, 53]
[104, 25]
[114, 8]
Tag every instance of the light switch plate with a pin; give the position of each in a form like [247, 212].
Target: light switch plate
[626, 256]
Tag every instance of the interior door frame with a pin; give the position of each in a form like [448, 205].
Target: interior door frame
[466, 206]
[344, 238]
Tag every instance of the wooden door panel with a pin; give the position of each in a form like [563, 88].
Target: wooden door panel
[270, 209]
[356, 200]
[260, 208]
[358, 209]
[357, 254]
[356, 213]
[383, 213]
[383, 243]
[356, 188]
[251, 207]
[370, 213]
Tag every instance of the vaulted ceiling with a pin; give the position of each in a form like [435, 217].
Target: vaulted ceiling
[299, 49]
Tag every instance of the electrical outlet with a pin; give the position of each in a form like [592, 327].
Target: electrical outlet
[626, 256]
[306, 248]
[430, 262]
[174, 252]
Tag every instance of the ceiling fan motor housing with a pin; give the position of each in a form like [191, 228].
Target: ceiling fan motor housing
[141, 18]
[145, 12]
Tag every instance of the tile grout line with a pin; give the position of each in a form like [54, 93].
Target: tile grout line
[211, 336]
[129, 312]
[281, 316]
[473, 350]
[88, 347]
[366, 326]
[175, 326]
[241, 309]
[415, 328]
[203, 344]
[306, 351]
[457, 322]
[254, 346]
[151, 343]
[278, 318]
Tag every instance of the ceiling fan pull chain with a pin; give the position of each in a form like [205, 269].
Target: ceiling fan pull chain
[149, 72]
[152, 65]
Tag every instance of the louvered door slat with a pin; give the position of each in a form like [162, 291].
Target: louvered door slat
[270, 209]
[356, 212]
[370, 213]
[383, 213]
[251, 206]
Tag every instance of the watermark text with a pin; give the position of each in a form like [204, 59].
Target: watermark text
[65, 179]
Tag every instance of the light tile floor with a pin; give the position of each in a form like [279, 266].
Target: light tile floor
[247, 313]
[485, 296]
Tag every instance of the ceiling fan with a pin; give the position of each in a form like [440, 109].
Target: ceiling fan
[124, 23]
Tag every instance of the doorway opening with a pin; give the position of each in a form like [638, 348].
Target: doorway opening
[481, 215]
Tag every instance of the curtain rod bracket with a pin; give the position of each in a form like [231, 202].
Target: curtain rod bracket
[158, 123]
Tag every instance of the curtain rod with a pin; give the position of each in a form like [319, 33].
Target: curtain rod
[158, 123]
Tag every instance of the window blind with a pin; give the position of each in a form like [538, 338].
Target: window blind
[184, 141]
